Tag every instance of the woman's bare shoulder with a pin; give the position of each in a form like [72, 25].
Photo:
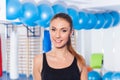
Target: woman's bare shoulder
[37, 66]
[38, 59]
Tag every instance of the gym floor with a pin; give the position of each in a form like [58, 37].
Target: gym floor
[5, 76]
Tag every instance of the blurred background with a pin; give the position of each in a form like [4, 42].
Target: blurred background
[24, 32]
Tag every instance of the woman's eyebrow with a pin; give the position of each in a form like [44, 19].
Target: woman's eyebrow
[52, 27]
[59, 28]
[64, 28]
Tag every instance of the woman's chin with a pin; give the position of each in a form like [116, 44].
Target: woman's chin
[59, 46]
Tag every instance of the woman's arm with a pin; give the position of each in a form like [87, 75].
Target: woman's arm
[37, 67]
[84, 73]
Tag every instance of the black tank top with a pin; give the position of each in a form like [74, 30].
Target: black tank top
[69, 73]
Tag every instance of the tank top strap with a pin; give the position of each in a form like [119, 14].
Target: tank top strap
[44, 60]
[74, 62]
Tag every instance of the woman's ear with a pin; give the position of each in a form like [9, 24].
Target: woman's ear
[72, 32]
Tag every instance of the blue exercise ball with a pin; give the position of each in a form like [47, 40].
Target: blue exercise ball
[45, 15]
[77, 27]
[13, 8]
[108, 76]
[91, 22]
[7, 76]
[22, 77]
[94, 75]
[29, 14]
[32, 24]
[83, 19]
[30, 77]
[116, 76]
[46, 41]
[16, 23]
[100, 21]
[108, 20]
[116, 17]
[4, 76]
[59, 8]
[74, 16]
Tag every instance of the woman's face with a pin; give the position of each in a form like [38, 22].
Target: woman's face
[60, 32]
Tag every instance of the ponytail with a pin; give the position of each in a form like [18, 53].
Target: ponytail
[79, 58]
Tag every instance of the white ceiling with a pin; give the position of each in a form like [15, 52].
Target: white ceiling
[90, 4]
[87, 4]
[95, 4]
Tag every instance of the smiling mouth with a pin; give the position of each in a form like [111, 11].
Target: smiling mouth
[58, 41]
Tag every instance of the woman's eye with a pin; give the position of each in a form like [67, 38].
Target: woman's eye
[64, 30]
[53, 29]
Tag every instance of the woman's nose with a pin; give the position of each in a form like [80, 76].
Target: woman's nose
[57, 34]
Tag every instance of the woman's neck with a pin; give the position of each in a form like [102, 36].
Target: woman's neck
[60, 51]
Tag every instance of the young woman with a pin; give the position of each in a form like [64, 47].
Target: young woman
[62, 62]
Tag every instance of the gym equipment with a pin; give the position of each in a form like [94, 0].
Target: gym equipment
[94, 75]
[13, 8]
[46, 41]
[108, 20]
[108, 76]
[116, 17]
[0, 58]
[29, 14]
[83, 19]
[22, 77]
[116, 76]
[91, 22]
[30, 77]
[13, 56]
[58, 8]
[45, 14]
[100, 21]
[74, 16]
[89, 68]
[96, 60]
